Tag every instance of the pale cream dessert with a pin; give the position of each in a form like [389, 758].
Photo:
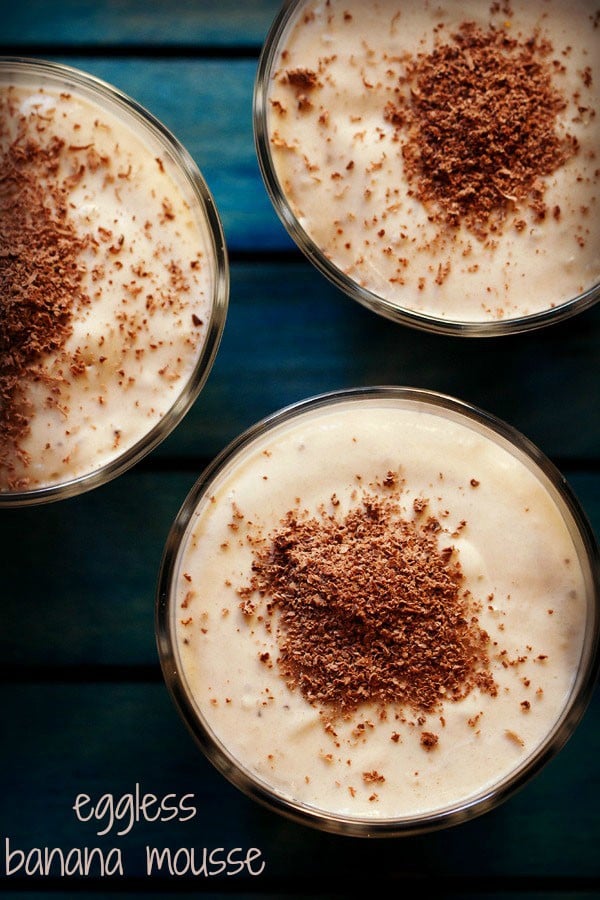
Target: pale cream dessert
[443, 155]
[378, 609]
[112, 299]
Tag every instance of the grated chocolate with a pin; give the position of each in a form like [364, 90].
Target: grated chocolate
[368, 607]
[40, 276]
[478, 122]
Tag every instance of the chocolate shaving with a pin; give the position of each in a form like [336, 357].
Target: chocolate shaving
[367, 609]
[478, 120]
[304, 79]
[40, 277]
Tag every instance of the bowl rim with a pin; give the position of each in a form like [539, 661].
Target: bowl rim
[385, 307]
[257, 789]
[121, 104]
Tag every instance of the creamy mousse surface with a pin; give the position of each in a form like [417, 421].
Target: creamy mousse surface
[107, 278]
[378, 610]
[444, 155]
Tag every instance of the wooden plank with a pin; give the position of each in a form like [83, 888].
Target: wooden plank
[134, 23]
[82, 592]
[290, 334]
[102, 739]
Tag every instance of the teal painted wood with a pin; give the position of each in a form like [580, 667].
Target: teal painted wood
[136, 23]
[290, 334]
[90, 579]
[98, 739]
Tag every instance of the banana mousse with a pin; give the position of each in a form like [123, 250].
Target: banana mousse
[107, 275]
[444, 156]
[378, 608]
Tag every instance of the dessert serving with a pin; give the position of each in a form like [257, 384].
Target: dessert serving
[438, 161]
[114, 281]
[378, 611]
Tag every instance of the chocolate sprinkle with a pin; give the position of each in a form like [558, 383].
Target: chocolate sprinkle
[478, 122]
[368, 608]
[40, 277]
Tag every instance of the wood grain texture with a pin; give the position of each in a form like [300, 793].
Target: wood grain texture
[136, 23]
[290, 334]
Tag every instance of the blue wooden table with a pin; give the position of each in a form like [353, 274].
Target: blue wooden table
[85, 710]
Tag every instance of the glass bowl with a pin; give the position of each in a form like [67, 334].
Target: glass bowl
[112, 339]
[301, 632]
[339, 123]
